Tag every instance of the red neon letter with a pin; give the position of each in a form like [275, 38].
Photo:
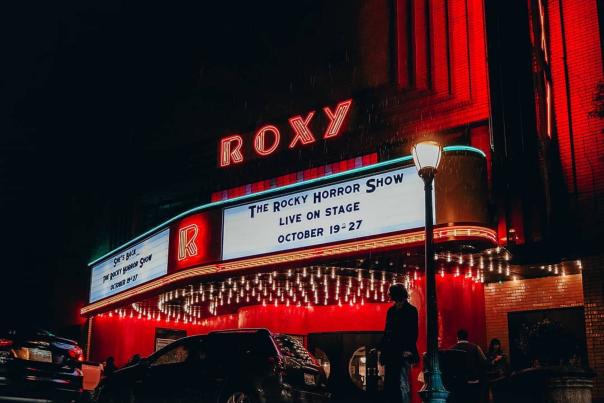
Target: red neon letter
[260, 140]
[301, 130]
[336, 118]
[186, 241]
[230, 153]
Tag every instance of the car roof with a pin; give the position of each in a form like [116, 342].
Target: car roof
[240, 331]
[215, 332]
[33, 332]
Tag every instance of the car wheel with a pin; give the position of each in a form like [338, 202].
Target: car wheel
[238, 396]
[119, 396]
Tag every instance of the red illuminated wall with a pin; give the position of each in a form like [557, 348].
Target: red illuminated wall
[446, 70]
[124, 337]
[574, 36]
[576, 67]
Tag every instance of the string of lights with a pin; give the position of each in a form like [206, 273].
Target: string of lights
[306, 287]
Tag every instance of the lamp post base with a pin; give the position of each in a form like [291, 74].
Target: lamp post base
[433, 396]
[433, 390]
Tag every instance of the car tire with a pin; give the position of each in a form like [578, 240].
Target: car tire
[119, 396]
[238, 395]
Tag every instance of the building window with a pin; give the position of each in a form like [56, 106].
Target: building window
[323, 361]
[365, 371]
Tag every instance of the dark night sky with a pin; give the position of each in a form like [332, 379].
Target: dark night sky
[89, 89]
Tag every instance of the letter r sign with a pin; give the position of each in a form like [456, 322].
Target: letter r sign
[195, 240]
[186, 241]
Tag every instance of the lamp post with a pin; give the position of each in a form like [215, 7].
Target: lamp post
[426, 156]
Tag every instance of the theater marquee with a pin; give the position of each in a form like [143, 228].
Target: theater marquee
[295, 225]
[144, 261]
[377, 204]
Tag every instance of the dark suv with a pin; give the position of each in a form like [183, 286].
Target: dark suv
[237, 366]
[35, 364]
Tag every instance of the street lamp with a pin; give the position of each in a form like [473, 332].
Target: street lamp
[426, 156]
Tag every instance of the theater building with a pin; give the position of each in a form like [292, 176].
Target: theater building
[311, 214]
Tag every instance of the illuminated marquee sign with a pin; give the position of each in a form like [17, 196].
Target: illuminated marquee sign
[136, 265]
[380, 203]
[268, 137]
[195, 240]
[186, 241]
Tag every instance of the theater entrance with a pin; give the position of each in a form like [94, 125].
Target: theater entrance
[351, 364]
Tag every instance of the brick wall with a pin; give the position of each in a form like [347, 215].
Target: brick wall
[528, 295]
[593, 289]
[581, 143]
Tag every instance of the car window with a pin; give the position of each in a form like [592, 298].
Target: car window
[293, 347]
[197, 350]
[175, 355]
[184, 351]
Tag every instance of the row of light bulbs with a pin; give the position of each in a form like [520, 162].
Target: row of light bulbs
[304, 287]
[480, 260]
[311, 286]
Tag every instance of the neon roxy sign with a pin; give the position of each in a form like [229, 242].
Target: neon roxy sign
[268, 138]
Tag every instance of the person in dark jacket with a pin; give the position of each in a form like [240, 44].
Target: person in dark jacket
[399, 346]
[476, 365]
[497, 361]
[109, 367]
[497, 371]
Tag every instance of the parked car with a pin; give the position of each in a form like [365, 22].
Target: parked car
[238, 366]
[35, 364]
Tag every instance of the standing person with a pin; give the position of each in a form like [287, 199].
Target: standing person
[399, 346]
[497, 369]
[497, 360]
[476, 364]
[109, 367]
